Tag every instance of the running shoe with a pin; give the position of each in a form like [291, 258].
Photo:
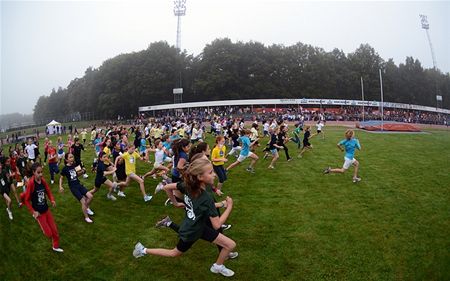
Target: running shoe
[138, 250]
[9, 214]
[222, 270]
[147, 198]
[159, 187]
[89, 212]
[111, 197]
[225, 226]
[59, 250]
[327, 170]
[121, 194]
[165, 222]
[355, 180]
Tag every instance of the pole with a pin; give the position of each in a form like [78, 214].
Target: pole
[382, 102]
[362, 96]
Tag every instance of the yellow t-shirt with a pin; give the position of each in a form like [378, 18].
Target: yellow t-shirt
[181, 132]
[158, 132]
[218, 153]
[130, 162]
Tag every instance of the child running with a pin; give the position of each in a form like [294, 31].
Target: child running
[245, 153]
[130, 157]
[218, 160]
[349, 144]
[104, 169]
[35, 200]
[5, 189]
[306, 144]
[199, 207]
[78, 190]
[273, 147]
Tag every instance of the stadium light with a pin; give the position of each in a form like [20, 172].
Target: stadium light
[426, 26]
[179, 10]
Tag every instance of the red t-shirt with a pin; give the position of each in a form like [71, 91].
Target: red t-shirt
[52, 152]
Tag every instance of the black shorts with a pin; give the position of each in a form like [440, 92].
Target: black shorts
[79, 191]
[319, 131]
[306, 144]
[209, 234]
[121, 176]
[99, 182]
[6, 189]
[220, 172]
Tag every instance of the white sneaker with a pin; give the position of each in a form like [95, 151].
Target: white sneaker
[147, 198]
[59, 250]
[222, 270]
[85, 176]
[138, 250]
[89, 212]
[159, 187]
[355, 180]
[88, 220]
[233, 255]
[111, 197]
[52, 181]
[9, 214]
[121, 194]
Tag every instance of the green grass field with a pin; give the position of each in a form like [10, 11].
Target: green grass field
[291, 223]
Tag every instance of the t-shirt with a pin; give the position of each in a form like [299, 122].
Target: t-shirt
[245, 145]
[175, 171]
[83, 135]
[93, 134]
[130, 162]
[51, 153]
[218, 153]
[159, 156]
[38, 200]
[319, 126]
[30, 151]
[77, 150]
[101, 168]
[198, 211]
[143, 145]
[350, 146]
[194, 134]
[273, 140]
[306, 136]
[60, 148]
[254, 135]
[71, 174]
[97, 143]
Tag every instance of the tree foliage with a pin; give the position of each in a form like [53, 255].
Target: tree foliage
[227, 70]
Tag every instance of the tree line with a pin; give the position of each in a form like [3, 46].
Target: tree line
[241, 70]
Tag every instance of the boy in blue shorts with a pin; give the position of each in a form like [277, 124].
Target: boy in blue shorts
[349, 144]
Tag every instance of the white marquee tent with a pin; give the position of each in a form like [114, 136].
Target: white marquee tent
[54, 128]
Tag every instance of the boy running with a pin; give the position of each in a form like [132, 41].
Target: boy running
[349, 144]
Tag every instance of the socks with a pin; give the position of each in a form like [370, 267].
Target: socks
[144, 251]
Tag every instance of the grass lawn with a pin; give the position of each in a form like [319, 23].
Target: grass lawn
[291, 223]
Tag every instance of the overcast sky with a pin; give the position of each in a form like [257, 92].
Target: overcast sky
[45, 45]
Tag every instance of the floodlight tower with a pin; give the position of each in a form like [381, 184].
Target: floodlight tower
[179, 10]
[426, 26]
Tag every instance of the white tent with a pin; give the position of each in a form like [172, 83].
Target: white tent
[54, 128]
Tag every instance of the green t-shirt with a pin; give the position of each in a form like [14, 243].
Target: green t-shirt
[198, 211]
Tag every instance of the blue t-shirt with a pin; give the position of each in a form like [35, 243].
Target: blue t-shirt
[245, 145]
[97, 143]
[175, 171]
[350, 146]
[143, 146]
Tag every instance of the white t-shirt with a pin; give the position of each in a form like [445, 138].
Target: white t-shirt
[266, 127]
[159, 156]
[194, 134]
[320, 126]
[30, 151]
